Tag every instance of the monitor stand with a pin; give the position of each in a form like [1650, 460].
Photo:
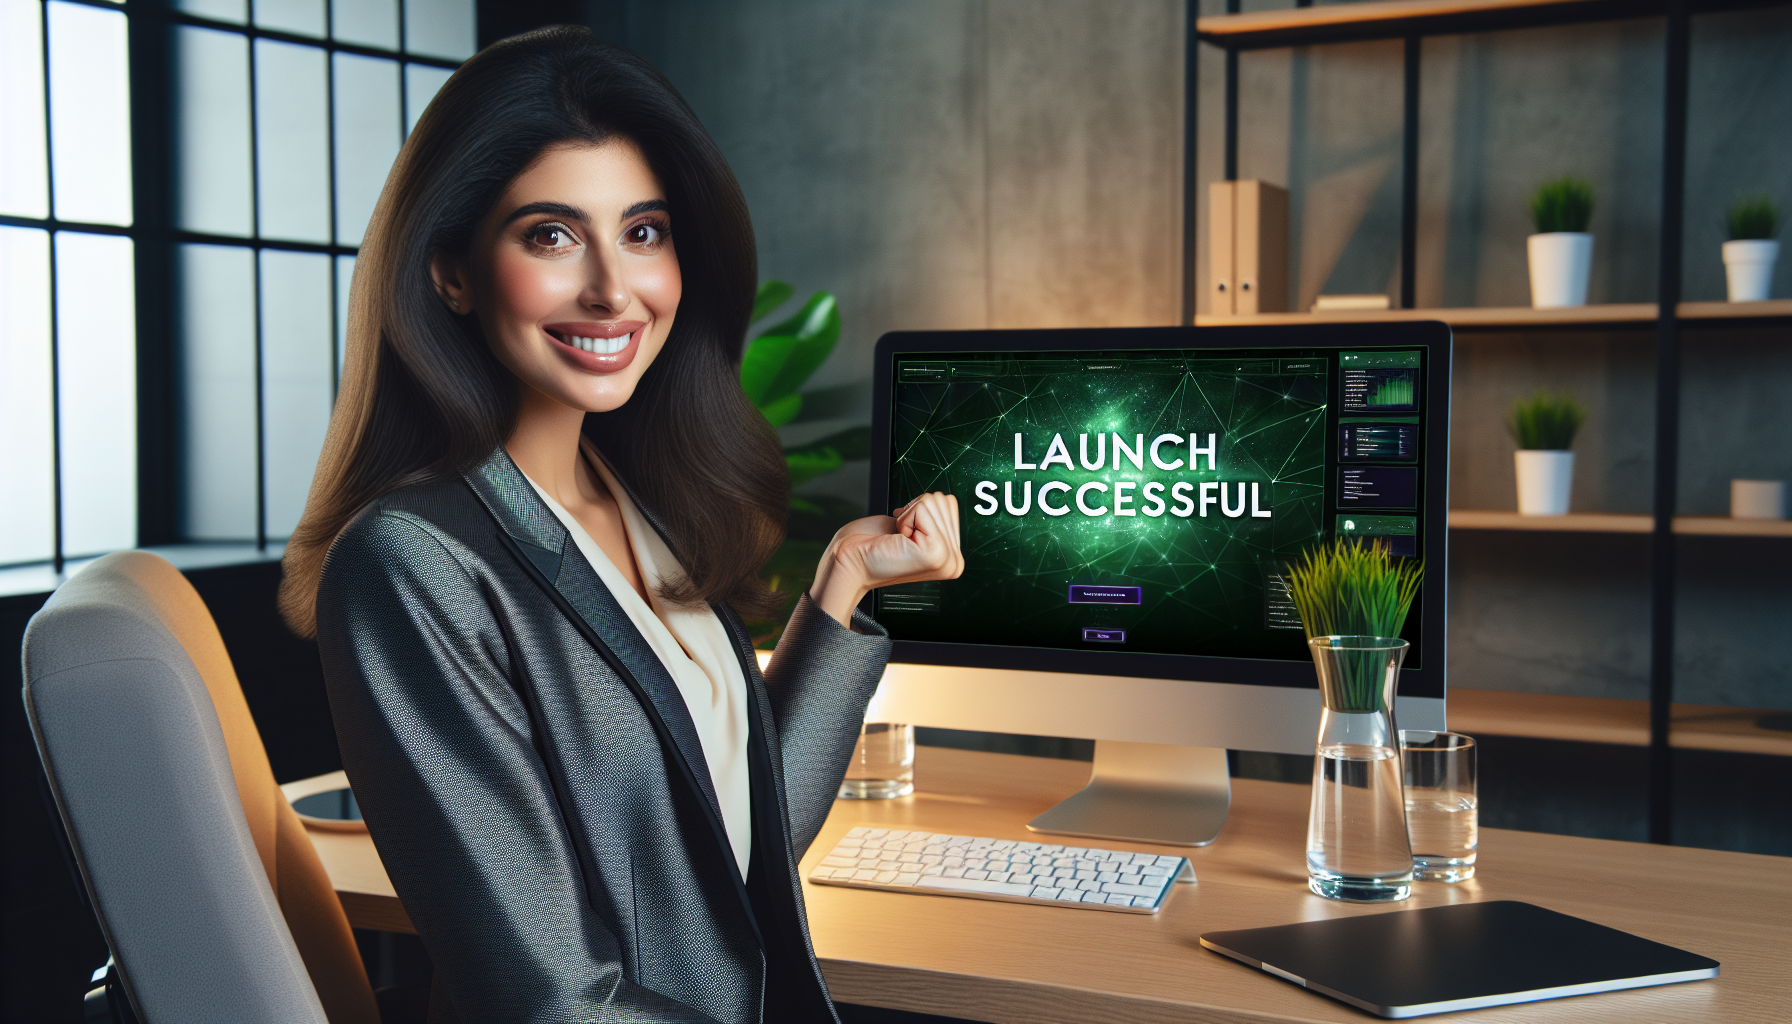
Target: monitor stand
[1147, 793]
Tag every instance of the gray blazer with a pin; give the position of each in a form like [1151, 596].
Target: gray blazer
[534, 783]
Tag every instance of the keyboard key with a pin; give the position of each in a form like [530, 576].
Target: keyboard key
[1120, 901]
[977, 885]
[1131, 890]
[884, 877]
[908, 878]
[839, 862]
[864, 875]
[1045, 892]
[1143, 901]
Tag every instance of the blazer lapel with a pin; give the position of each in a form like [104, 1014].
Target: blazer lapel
[548, 547]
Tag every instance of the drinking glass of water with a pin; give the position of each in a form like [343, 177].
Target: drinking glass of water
[1441, 806]
[883, 763]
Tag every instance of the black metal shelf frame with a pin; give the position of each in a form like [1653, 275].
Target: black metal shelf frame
[1412, 30]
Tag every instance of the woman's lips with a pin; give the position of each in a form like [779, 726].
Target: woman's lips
[597, 347]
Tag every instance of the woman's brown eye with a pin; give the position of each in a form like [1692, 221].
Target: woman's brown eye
[550, 236]
[642, 234]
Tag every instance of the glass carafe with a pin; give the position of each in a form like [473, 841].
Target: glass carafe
[1357, 848]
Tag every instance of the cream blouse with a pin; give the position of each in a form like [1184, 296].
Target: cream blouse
[695, 648]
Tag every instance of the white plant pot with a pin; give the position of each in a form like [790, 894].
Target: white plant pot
[1561, 263]
[1748, 266]
[1758, 499]
[1544, 479]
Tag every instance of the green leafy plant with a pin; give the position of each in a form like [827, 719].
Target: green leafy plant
[1565, 204]
[1353, 588]
[779, 362]
[1545, 421]
[1753, 218]
[776, 365]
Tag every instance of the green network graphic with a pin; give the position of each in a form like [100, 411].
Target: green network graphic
[1393, 393]
[1202, 579]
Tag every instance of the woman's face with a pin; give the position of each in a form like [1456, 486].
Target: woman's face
[573, 275]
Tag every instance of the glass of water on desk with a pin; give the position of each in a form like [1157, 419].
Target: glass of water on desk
[1441, 805]
[883, 763]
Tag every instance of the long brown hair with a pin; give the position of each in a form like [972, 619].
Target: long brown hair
[423, 398]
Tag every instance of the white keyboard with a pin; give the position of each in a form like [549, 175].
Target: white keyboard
[1001, 869]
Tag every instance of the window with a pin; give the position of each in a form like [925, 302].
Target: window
[67, 312]
[286, 116]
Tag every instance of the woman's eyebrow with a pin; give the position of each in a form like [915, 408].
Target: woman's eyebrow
[557, 209]
[644, 206]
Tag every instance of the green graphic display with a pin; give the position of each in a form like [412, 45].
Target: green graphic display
[1393, 392]
[1140, 502]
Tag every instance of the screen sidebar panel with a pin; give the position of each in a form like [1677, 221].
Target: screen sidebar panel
[1130, 498]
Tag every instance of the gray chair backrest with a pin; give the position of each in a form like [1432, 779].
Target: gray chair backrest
[138, 765]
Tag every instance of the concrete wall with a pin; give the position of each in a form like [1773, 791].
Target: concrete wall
[1008, 163]
[942, 164]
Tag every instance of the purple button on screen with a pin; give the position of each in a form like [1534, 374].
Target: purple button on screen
[1105, 636]
[1086, 593]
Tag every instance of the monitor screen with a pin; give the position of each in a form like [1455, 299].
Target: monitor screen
[1134, 495]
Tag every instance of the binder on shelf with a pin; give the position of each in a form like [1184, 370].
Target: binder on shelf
[1247, 247]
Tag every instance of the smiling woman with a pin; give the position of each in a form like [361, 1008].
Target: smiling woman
[542, 505]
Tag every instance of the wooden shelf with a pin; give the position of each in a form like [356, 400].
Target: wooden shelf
[1724, 526]
[1577, 522]
[1604, 720]
[1610, 522]
[1394, 19]
[1516, 316]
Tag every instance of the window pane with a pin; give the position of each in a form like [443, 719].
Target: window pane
[90, 114]
[26, 533]
[369, 127]
[440, 28]
[97, 370]
[217, 359]
[345, 275]
[421, 83]
[293, 133]
[234, 11]
[212, 82]
[366, 22]
[24, 174]
[295, 366]
[300, 17]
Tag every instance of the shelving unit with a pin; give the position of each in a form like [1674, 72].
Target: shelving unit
[1411, 21]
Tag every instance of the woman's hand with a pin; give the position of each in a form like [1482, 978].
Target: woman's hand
[920, 542]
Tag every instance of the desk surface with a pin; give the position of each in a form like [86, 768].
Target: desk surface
[1007, 962]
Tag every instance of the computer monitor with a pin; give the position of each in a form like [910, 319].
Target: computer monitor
[1129, 501]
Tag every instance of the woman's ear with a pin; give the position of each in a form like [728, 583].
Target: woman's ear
[451, 283]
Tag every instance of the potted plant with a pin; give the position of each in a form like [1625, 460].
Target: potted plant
[1561, 252]
[1750, 253]
[1353, 598]
[1544, 426]
[773, 370]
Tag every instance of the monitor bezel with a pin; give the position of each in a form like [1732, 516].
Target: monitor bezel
[1435, 336]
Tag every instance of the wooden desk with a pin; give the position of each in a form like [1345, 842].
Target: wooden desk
[1008, 962]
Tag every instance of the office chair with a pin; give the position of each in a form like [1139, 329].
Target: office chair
[208, 891]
